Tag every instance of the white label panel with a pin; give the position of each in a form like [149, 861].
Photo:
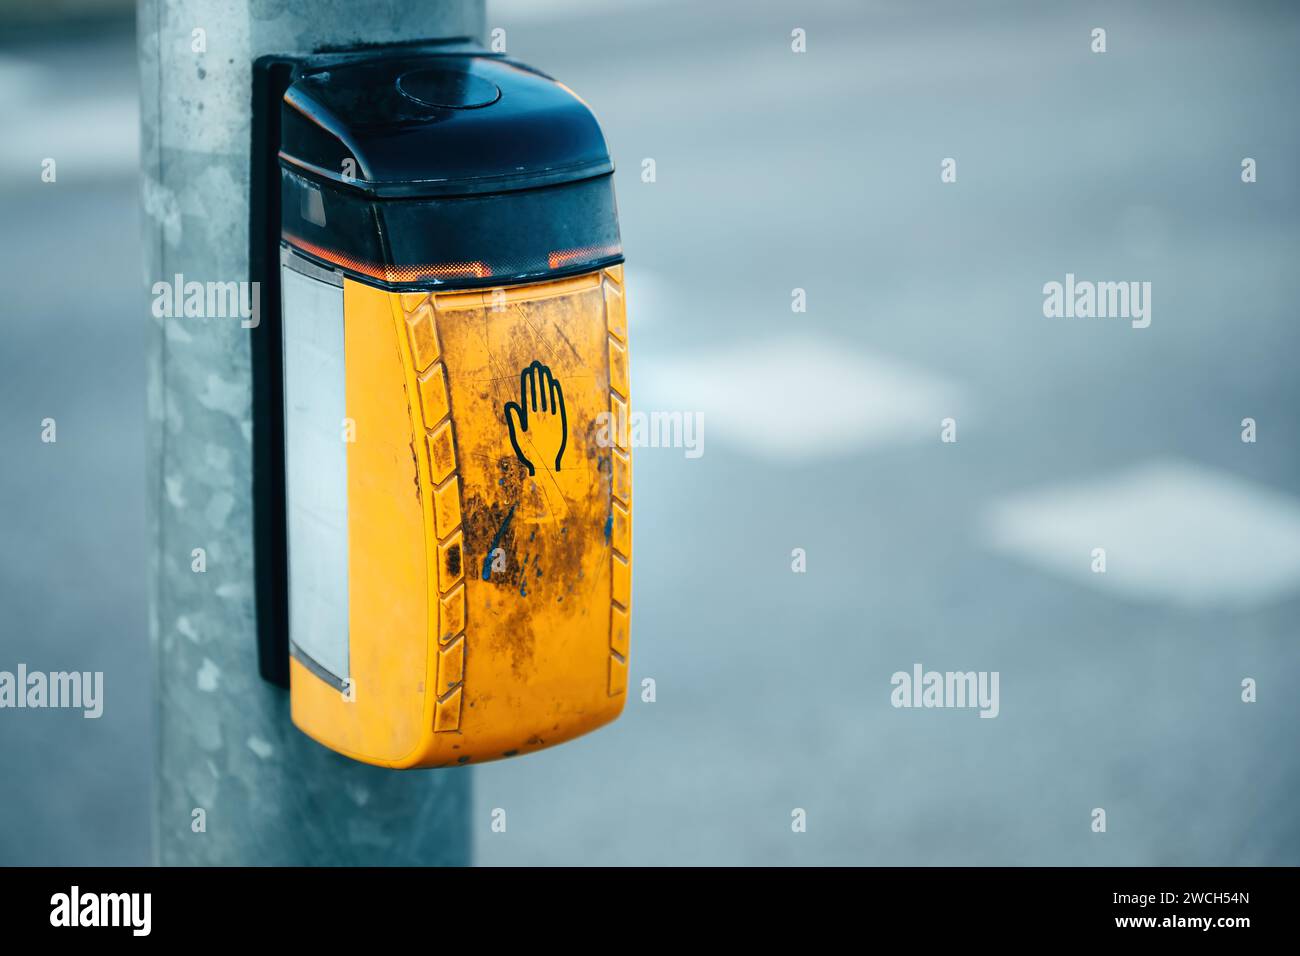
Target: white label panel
[316, 469]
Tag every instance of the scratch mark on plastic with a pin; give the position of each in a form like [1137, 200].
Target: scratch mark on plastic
[496, 541]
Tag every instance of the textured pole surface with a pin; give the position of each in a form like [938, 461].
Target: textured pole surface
[237, 782]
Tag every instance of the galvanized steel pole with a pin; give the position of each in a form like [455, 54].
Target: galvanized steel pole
[237, 783]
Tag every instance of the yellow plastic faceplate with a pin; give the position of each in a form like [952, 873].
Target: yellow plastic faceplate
[488, 607]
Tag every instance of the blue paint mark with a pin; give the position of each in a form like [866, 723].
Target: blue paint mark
[496, 540]
[609, 526]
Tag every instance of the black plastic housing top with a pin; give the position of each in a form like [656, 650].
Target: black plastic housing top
[443, 125]
[448, 169]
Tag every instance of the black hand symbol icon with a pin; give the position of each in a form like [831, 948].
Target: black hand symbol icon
[538, 419]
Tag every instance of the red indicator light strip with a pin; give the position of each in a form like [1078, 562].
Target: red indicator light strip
[387, 273]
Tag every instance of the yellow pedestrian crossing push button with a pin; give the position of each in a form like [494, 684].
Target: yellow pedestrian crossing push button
[452, 337]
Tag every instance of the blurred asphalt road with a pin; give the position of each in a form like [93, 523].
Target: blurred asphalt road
[818, 171]
[72, 535]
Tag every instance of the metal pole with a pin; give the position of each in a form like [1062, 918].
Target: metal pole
[237, 783]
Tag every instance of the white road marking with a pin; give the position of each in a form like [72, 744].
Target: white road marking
[1173, 531]
[797, 398]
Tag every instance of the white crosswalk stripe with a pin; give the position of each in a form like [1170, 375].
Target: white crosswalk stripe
[1173, 531]
[798, 398]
